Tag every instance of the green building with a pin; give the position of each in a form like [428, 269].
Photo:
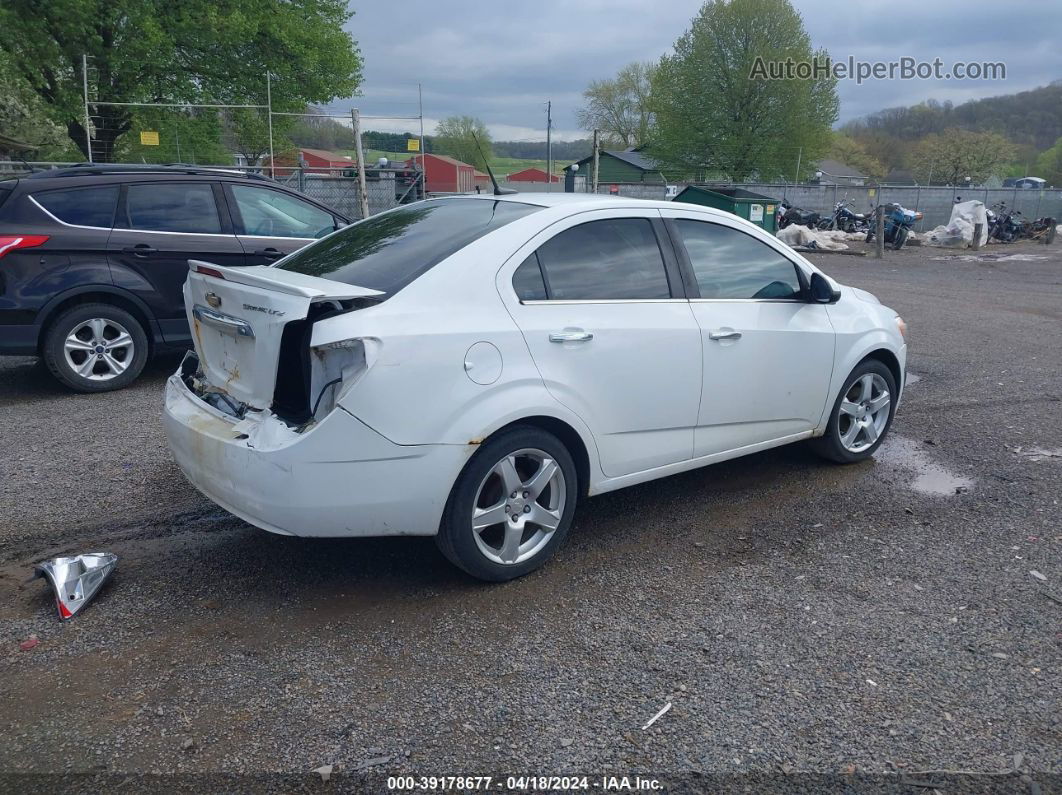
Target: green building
[621, 167]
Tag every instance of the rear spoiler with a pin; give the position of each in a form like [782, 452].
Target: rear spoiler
[282, 281]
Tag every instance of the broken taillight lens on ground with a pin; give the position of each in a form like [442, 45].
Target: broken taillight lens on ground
[75, 580]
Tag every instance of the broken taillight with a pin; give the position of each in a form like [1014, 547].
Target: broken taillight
[12, 242]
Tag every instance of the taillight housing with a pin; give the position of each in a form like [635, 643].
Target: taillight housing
[13, 242]
[203, 269]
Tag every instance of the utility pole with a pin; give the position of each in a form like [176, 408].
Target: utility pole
[269, 112]
[355, 118]
[796, 178]
[549, 146]
[597, 153]
[84, 86]
[423, 175]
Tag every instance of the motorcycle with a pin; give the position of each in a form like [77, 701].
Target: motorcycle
[1003, 224]
[788, 214]
[898, 223]
[844, 219]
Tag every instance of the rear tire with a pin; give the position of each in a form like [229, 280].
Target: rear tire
[534, 466]
[855, 430]
[95, 348]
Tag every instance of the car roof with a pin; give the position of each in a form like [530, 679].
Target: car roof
[141, 169]
[592, 201]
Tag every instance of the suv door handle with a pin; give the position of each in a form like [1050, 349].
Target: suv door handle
[570, 335]
[140, 249]
[724, 335]
[269, 253]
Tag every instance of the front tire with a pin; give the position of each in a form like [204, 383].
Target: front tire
[861, 416]
[511, 506]
[95, 348]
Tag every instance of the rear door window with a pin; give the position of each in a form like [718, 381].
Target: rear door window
[172, 207]
[528, 280]
[611, 259]
[81, 206]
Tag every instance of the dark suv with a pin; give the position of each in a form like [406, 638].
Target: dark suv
[93, 258]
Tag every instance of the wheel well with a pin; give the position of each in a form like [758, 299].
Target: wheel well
[888, 358]
[98, 298]
[571, 439]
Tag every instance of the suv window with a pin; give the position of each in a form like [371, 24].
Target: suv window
[731, 264]
[81, 206]
[388, 251]
[172, 207]
[270, 213]
[618, 258]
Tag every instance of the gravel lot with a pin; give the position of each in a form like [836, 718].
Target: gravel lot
[800, 617]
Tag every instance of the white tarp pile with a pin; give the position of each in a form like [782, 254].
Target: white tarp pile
[959, 231]
[801, 236]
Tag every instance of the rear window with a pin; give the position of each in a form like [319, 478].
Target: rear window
[81, 206]
[388, 251]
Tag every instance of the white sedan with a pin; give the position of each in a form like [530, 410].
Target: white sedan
[469, 367]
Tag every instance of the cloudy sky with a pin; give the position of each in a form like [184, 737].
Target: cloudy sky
[501, 61]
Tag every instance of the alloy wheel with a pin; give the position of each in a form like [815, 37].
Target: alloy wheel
[518, 505]
[98, 349]
[864, 413]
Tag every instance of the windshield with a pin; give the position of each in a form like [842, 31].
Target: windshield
[388, 251]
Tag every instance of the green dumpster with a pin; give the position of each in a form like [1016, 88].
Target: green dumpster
[751, 206]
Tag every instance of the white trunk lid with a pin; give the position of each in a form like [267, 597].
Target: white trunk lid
[238, 321]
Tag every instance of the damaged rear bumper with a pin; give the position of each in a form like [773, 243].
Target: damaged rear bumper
[338, 478]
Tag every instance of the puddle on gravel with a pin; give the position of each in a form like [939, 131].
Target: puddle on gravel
[929, 476]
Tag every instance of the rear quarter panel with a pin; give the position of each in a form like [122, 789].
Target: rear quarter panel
[418, 391]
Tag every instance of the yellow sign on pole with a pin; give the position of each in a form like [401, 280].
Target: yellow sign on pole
[412, 144]
[149, 138]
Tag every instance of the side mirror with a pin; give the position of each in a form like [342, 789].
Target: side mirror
[821, 290]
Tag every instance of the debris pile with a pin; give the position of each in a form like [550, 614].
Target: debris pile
[959, 231]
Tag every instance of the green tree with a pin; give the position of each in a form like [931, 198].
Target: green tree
[1049, 164]
[454, 137]
[619, 107]
[193, 51]
[22, 115]
[716, 113]
[851, 152]
[948, 158]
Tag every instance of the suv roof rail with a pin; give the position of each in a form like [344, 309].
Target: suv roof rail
[100, 169]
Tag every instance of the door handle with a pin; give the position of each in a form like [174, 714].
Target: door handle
[724, 335]
[269, 253]
[571, 335]
[140, 249]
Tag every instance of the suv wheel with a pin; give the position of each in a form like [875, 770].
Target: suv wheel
[95, 348]
[511, 507]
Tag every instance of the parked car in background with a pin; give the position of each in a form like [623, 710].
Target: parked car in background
[469, 367]
[93, 258]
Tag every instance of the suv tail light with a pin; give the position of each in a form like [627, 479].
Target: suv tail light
[12, 242]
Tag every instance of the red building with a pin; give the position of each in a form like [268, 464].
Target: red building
[443, 174]
[315, 160]
[532, 175]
